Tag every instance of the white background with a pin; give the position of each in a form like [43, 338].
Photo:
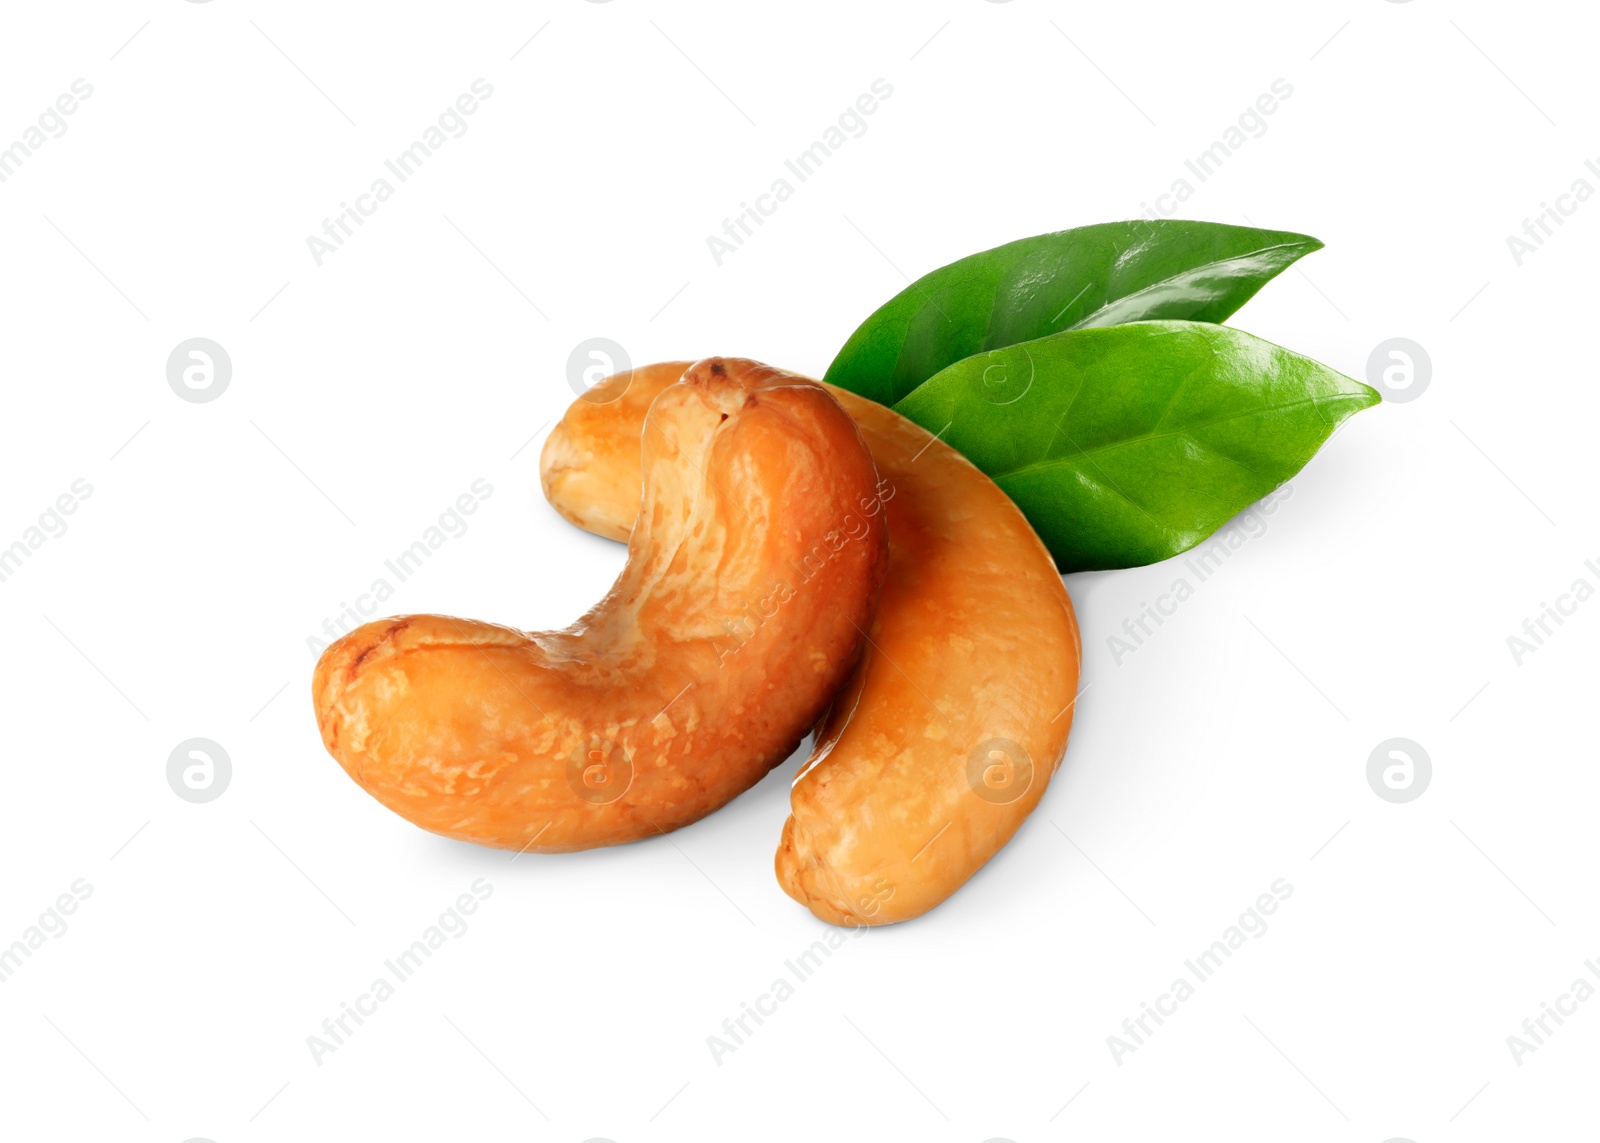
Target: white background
[369, 392]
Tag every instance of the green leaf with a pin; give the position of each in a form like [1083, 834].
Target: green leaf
[1093, 276]
[1126, 445]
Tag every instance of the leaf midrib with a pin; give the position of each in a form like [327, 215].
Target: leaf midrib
[1079, 324]
[1146, 438]
[988, 322]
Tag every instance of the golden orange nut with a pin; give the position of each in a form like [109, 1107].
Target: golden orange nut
[589, 470]
[751, 576]
[950, 728]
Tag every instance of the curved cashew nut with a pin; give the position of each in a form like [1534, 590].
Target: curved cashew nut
[590, 468]
[949, 730]
[753, 572]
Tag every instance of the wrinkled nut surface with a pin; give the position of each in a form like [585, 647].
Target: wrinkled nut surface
[949, 730]
[586, 462]
[753, 572]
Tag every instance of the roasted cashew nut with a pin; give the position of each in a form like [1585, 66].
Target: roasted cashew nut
[590, 464]
[750, 580]
[949, 730]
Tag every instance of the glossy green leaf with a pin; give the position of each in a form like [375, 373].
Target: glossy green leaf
[1129, 444]
[1093, 276]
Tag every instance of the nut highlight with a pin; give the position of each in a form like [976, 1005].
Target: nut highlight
[947, 733]
[702, 668]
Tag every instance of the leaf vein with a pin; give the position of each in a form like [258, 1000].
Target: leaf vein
[1147, 438]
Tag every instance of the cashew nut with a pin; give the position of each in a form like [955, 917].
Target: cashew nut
[590, 471]
[948, 731]
[750, 579]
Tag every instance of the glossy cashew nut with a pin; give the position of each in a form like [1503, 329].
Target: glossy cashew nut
[949, 730]
[750, 579]
[589, 467]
